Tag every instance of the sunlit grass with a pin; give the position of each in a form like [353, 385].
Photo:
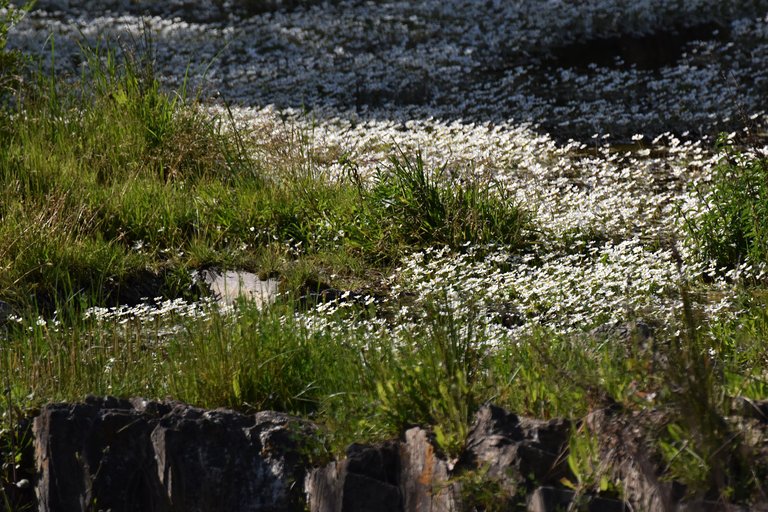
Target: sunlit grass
[731, 228]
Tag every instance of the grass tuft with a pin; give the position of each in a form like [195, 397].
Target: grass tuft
[418, 208]
[733, 228]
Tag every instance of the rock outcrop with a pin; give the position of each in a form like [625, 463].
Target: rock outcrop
[134, 455]
[119, 455]
[403, 476]
[411, 475]
[517, 451]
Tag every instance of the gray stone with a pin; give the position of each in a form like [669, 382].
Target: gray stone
[154, 456]
[625, 452]
[366, 480]
[552, 499]
[232, 285]
[424, 475]
[404, 476]
[515, 450]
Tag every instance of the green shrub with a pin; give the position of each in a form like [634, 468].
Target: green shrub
[734, 226]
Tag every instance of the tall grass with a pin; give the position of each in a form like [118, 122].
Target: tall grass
[110, 176]
[733, 228]
[112, 145]
[417, 207]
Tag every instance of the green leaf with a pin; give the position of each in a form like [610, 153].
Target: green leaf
[236, 386]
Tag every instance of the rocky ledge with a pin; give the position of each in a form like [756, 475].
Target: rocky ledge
[138, 455]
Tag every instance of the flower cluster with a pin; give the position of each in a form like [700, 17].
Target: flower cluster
[607, 157]
[457, 59]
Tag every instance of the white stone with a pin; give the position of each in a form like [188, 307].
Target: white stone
[233, 285]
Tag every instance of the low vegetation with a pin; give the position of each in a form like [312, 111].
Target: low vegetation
[731, 229]
[117, 191]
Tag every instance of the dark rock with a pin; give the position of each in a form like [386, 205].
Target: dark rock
[133, 455]
[5, 312]
[89, 455]
[365, 494]
[366, 480]
[517, 450]
[717, 506]
[628, 454]
[137, 455]
[406, 476]
[551, 499]
[748, 408]
[381, 463]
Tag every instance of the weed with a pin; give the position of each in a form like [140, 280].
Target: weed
[733, 228]
[481, 492]
[587, 465]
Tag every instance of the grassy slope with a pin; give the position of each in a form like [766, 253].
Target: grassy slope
[113, 183]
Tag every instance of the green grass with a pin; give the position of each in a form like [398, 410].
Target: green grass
[733, 228]
[109, 176]
[417, 208]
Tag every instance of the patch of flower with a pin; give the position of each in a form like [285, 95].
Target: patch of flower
[460, 59]
[150, 310]
[467, 85]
